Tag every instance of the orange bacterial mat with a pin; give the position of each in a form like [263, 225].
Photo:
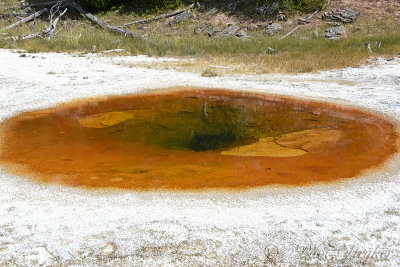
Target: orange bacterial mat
[194, 139]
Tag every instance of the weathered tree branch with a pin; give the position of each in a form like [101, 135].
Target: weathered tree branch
[53, 23]
[14, 14]
[289, 33]
[27, 19]
[22, 2]
[298, 26]
[5, 15]
[102, 24]
[45, 4]
[313, 14]
[48, 31]
[160, 16]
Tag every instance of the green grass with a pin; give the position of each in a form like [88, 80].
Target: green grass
[295, 55]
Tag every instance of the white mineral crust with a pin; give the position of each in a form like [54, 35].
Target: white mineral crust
[349, 222]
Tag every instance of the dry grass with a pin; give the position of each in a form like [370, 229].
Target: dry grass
[295, 56]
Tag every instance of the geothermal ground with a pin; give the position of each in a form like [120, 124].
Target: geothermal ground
[352, 222]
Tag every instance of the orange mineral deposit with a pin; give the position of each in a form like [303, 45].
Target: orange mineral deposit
[194, 139]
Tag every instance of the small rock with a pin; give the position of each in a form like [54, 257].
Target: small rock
[242, 34]
[316, 33]
[303, 21]
[22, 55]
[335, 33]
[252, 27]
[273, 28]
[229, 31]
[346, 15]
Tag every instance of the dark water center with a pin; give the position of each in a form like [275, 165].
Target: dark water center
[193, 139]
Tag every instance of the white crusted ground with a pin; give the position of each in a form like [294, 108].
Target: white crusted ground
[345, 223]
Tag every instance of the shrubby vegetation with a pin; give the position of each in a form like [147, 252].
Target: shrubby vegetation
[139, 5]
[304, 5]
[293, 5]
[149, 6]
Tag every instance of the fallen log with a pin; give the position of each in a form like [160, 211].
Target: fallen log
[7, 15]
[92, 18]
[27, 19]
[4, 15]
[160, 16]
[298, 26]
[44, 4]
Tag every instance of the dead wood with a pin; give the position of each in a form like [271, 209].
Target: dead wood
[172, 14]
[102, 24]
[27, 19]
[70, 3]
[44, 4]
[49, 31]
[4, 15]
[289, 33]
[313, 14]
[298, 26]
[7, 15]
